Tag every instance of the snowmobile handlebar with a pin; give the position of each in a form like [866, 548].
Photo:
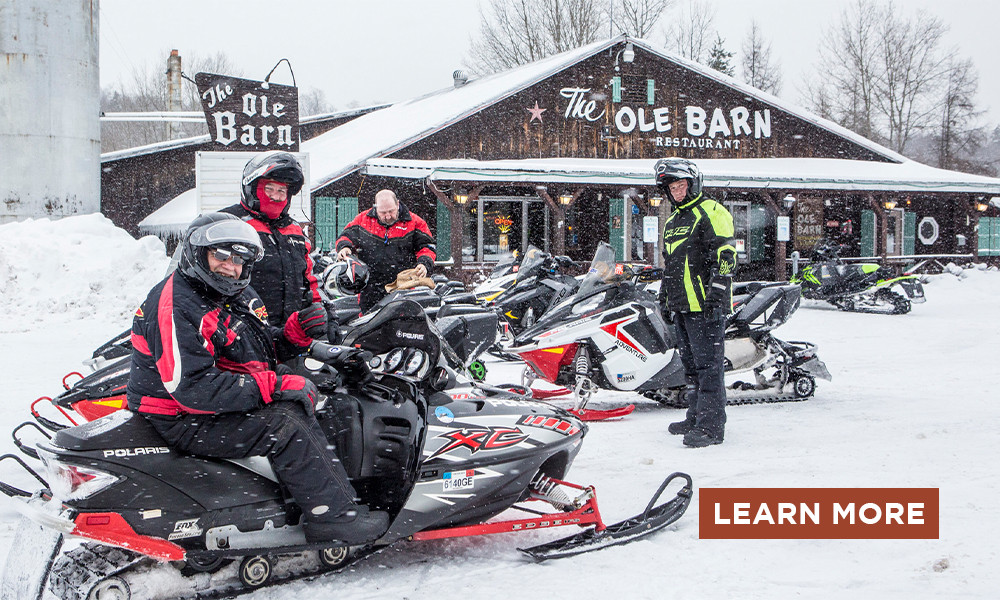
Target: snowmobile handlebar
[351, 363]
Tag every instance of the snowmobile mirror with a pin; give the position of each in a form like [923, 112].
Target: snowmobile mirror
[439, 379]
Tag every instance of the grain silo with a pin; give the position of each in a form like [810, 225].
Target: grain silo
[50, 136]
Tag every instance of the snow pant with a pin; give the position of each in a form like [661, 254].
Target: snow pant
[302, 457]
[700, 340]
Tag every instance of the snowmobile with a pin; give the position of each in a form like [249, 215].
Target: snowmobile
[148, 521]
[856, 287]
[610, 335]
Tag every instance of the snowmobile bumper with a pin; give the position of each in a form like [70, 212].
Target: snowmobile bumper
[913, 289]
[817, 368]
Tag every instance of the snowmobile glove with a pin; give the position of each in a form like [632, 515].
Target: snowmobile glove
[716, 296]
[295, 388]
[306, 325]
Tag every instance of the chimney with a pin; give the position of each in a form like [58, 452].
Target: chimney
[174, 91]
[460, 77]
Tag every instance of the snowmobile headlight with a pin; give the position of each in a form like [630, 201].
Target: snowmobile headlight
[414, 362]
[74, 482]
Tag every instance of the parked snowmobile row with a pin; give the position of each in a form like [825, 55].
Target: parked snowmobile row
[857, 287]
[610, 335]
[441, 467]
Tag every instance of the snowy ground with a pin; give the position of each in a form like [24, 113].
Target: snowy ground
[912, 404]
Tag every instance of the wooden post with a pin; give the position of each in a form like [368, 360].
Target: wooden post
[559, 214]
[455, 212]
[880, 214]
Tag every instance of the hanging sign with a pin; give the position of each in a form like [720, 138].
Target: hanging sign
[243, 114]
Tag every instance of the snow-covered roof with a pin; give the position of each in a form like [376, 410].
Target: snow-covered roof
[204, 138]
[775, 173]
[344, 149]
[172, 217]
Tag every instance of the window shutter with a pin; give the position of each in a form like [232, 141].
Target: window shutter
[347, 209]
[650, 93]
[326, 223]
[443, 240]
[616, 89]
[867, 233]
[616, 226]
[909, 232]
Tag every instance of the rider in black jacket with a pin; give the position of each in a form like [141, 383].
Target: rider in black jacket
[205, 374]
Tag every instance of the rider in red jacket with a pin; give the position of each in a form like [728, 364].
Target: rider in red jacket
[390, 239]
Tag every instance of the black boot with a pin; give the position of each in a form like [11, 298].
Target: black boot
[357, 525]
[680, 427]
[699, 438]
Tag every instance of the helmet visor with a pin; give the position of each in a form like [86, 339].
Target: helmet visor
[229, 234]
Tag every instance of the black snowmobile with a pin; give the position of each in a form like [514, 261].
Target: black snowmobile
[441, 467]
[856, 287]
[611, 335]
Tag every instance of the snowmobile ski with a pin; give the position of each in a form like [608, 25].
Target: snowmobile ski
[592, 414]
[652, 519]
[539, 394]
[26, 570]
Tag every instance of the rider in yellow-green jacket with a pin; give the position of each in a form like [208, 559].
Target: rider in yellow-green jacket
[696, 295]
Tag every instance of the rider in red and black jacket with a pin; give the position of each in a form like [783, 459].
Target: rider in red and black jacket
[390, 239]
[284, 277]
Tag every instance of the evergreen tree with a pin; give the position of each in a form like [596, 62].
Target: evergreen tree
[721, 59]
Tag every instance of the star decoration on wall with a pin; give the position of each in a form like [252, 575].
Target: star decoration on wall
[536, 113]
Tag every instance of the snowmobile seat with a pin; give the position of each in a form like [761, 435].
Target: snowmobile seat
[120, 429]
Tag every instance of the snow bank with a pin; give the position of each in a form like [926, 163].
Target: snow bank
[74, 269]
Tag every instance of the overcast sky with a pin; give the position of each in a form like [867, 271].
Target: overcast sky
[387, 50]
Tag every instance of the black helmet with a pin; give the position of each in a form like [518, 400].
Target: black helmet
[278, 166]
[214, 230]
[669, 170]
[348, 277]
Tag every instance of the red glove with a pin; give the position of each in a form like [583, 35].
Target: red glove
[306, 325]
[295, 388]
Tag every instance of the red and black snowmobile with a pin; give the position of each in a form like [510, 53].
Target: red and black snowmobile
[440, 467]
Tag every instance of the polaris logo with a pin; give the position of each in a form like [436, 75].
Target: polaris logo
[409, 336]
[123, 452]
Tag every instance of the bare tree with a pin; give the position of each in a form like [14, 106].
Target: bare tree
[959, 140]
[694, 29]
[517, 32]
[849, 66]
[312, 101]
[914, 68]
[757, 66]
[638, 17]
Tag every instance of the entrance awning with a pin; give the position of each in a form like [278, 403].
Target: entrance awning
[754, 173]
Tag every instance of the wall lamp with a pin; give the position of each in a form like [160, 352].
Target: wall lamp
[981, 205]
[655, 201]
[788, 201]
[565, 198]
[461, 197]
[889, 204]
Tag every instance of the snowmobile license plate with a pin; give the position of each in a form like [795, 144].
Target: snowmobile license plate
[459, 480]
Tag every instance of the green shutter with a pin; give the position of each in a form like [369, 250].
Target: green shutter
[909, 232]
[443, 242]
[867, 233]
[758, 223]
[347, 209]
[650, 91]
[616, 89]
[616, 226]
[995, 246]
[326, 223]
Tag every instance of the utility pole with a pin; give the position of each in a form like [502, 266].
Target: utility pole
[174, 92]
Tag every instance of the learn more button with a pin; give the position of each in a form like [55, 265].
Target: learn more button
[818, 513]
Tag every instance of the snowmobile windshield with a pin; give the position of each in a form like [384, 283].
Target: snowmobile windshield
[504, 267]
[601, 271]
[532, 262]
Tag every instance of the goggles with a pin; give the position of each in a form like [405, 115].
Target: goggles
[239, 253]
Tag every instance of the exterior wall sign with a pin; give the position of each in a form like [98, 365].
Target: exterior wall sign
[721, 129]
[243, 114]
[928, 231]
[808, 223]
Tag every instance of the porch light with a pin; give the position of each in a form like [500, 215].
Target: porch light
[788, 201]
[889, 204]
[565, 198]
[655, 201]
[461, 197]
[981, 206]
[628, 55]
